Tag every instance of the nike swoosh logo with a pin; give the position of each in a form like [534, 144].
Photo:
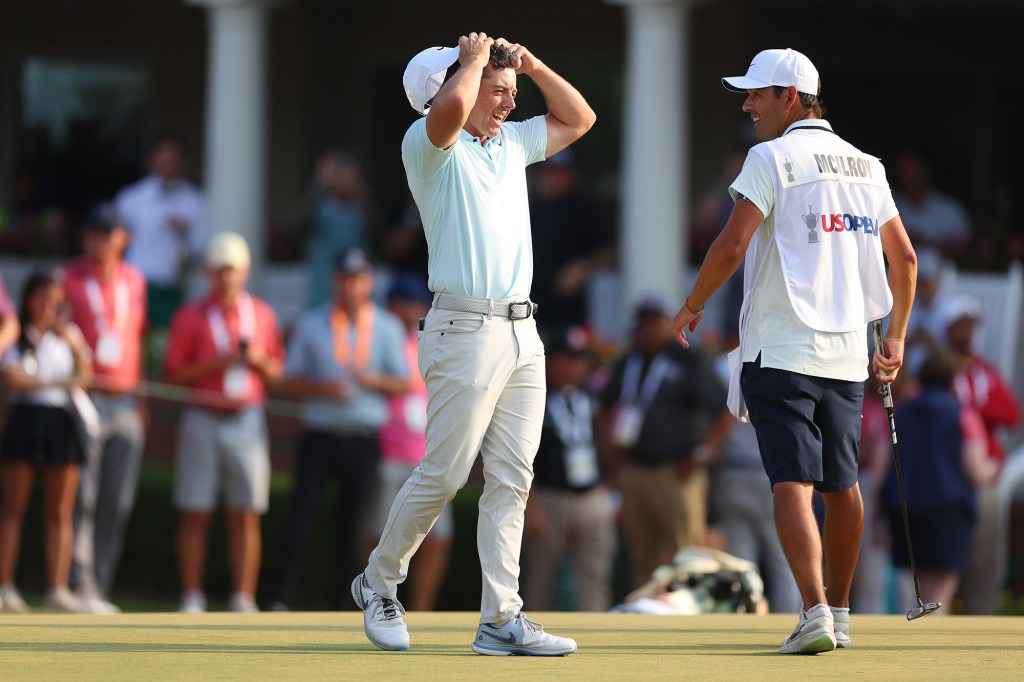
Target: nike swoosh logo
[510, 640]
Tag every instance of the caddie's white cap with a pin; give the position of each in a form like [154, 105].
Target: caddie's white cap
[425, 75]
[777, 67]
[227, 250]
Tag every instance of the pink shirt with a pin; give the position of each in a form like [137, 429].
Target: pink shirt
[114, 308]
[194, 338]
[5, 303]
[402, 437]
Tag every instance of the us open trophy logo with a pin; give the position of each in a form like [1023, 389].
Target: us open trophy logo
[811, 220]
[789, 171]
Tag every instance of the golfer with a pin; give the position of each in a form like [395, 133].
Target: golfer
[479, 352]
[813, 215]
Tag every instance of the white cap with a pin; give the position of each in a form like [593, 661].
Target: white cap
[425, 75]
[777, 67]
[227, 250]
[960, 307]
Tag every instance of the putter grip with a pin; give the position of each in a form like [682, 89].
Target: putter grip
[876, 330]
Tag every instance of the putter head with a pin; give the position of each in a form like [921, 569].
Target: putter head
[923, 609]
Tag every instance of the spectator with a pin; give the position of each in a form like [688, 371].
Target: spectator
[924, 328]
[344, 361]
[10, 328]
[742, 495]
[334, 217]
[404, 242]
[979, 385]
[107, 298]
[570, 512]
[713, 205]
[868, 591]
[942, 459]
[225, 347]
[571, 239]
[166, 216]
[667, 416]
[403, 443]
[930, 217]
[49, 359]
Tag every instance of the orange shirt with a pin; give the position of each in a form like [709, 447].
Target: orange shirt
[111, 312]
[197, 335]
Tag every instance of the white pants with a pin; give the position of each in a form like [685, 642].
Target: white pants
[486, 393]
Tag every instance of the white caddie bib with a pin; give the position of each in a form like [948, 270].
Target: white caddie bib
[828, 198]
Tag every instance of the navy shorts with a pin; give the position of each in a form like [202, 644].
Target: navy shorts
[807, 427]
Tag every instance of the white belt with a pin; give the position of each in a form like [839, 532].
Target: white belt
[513, 310]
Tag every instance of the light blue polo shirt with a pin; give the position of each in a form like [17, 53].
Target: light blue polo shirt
[311, 355]
[474, 207]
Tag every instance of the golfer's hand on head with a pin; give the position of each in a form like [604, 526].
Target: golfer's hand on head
[525, 61]
[887, 366]
[475, 49]
[686, 319]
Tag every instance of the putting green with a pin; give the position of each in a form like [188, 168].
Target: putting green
[306, 646]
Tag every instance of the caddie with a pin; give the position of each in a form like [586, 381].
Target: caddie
[813, 216]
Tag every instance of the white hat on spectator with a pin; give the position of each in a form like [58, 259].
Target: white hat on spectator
[425, 75]
[228, 250]
[960, 307]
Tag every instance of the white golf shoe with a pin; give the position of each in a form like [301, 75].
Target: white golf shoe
[814, 633]
[382, 617]
[520, 637]
[841, 619]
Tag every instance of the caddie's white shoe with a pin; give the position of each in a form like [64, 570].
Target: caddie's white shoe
[841, 620]
[814, 633]
[382, 617]
[520, 637]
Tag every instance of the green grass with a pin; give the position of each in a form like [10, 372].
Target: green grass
[306, 646]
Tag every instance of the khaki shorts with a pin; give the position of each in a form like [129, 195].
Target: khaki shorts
[211, 445]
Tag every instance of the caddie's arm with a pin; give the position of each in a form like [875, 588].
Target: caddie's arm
[569, 116]
[453, 102]
[724, 257]
[903, 282]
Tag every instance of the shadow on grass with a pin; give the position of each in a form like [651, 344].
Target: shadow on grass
[268, 627]
[221, 649]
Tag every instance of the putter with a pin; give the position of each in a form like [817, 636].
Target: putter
[922, 609]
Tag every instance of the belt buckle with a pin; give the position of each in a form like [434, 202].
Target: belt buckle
[512, 310]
